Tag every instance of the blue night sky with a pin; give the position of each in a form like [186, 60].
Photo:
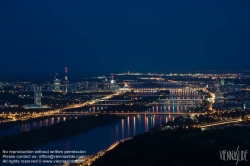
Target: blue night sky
[122, 35]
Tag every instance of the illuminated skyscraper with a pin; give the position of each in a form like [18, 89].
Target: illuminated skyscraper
[222, 82]
[93, 86]
[105, 84]
[66, 79]
[86, 85]
[37, 95]
[57, 85]
[113, 86]
[112, 81]
[37, 100]
[80, 86]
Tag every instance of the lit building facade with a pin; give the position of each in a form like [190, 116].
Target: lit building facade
[93, 86]
[222, 82]
[37, 100]
[113, 86]
[57, 85]
[86, 85]
[37, 95]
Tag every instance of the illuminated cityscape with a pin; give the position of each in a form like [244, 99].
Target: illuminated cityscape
[209, 102]
[125, 83]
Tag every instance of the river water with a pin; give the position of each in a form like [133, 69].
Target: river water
[35, 124]
[101, 138]
[57, 119]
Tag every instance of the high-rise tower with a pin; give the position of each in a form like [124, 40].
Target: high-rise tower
[113, 86]
[37, 100]
[37, 96]
[57, 85]
[66, 79]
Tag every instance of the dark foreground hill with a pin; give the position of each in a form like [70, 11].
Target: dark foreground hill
[179, 148]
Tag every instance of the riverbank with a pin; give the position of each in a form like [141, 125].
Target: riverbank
[37, 137]
[7, 125]
[88, 160]
[178, 147]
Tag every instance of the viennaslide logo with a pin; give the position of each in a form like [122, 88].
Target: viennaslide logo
[233, 155]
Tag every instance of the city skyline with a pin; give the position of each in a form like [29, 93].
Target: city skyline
[121, 108]
[124, 82]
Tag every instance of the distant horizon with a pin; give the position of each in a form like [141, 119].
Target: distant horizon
[49, 76]
[9, 74]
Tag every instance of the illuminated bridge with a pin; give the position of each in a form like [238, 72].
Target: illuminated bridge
[128, 113]
[100, 104]
[178, 101]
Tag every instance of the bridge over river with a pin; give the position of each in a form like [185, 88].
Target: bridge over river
[128, 113]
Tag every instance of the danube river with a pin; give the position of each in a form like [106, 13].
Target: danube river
[35, 124]
[56, 119]
[101, 138]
